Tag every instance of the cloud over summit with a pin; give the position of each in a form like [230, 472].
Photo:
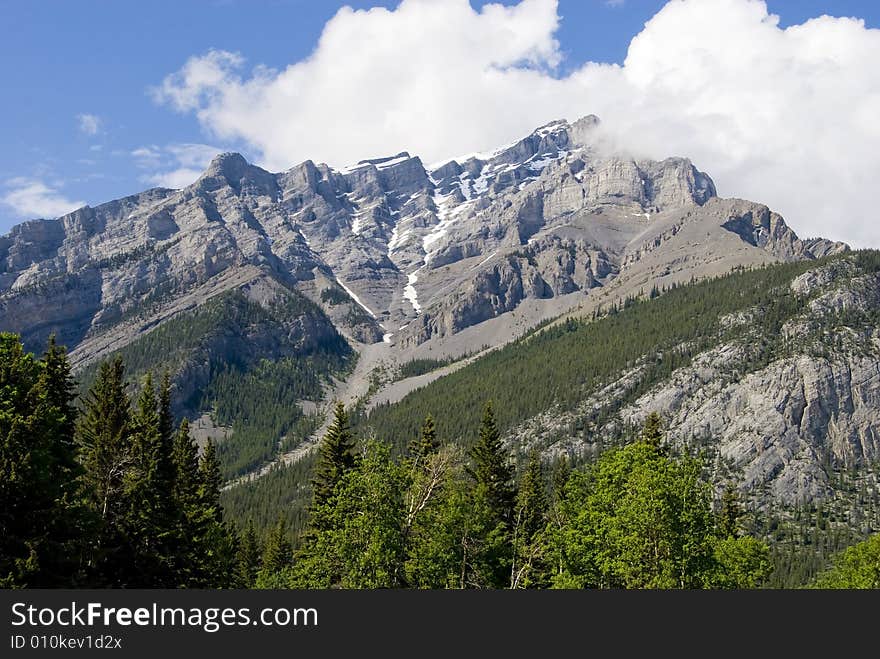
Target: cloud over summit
[787, 117]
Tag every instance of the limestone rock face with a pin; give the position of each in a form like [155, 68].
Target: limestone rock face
[779, 425]
[389, 247]
[413, 257]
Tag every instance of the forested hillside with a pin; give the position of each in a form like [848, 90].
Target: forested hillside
[559, 367]
[249, 365]
[112, 495]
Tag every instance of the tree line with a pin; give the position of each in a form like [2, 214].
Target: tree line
[114, 494]
[109, 495]
[440, 516]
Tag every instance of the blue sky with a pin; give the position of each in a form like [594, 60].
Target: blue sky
[78, 120]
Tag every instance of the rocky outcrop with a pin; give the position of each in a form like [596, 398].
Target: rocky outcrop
[759, 226]
[419, 254]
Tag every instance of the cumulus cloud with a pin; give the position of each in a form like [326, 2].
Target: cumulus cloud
[30, 198]
[787, 117]
[173, 165]
[89, 124]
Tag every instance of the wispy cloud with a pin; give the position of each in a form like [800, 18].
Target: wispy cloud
[33, 198]
[615, 3]
[173, 165]
[90, 124]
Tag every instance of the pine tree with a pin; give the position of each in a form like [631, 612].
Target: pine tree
[559, 478]
[185, 458]
[530, 522]
[60, 394]
[151, 522]
[40, 518]
[491, 468]
[531, 504]
[103, 434]
[335, 459]
[492, 502]
[104, 437]
[248, 557]
[215, 542]
[68, 520]
[278, 551]
[166, 417]
[426, 444]
[189, 516]
[731, 511]
[210, 482]
[652, 432]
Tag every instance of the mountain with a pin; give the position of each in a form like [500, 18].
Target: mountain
[245, 276]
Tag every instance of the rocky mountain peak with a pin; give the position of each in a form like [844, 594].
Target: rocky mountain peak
[230, 164]
[423, 252]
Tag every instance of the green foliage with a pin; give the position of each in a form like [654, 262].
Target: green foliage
[253, 370]
[248, 558]
[261, 405]
[857, 567]
[277, 553]
[636, 520]
[652, 433]
[336, 458]
[149, 520]
[285, 490]
[530, 524]
[41, 519]
[426, 444]
[491, 468]
[640, 519]
[457, 541]
[740, 563]
[420, 366]
[359, 542]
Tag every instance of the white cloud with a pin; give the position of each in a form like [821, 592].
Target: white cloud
[89, 124]
[174, 165]
[30, 198]
[175, 178]
[785, 117]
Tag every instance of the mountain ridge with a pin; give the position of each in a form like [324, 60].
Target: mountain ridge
[411, 261]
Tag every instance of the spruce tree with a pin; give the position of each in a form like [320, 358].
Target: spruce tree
[278, 551]
[559, 478]
[40, 518]
[531, 504]
[210, 481]
[492, 502]
[103, 434]
[166, 417]
[426, 444]
[248, 559]
[151, 522]
[530, 522]
[652, 431]
[60, 393]
[491, 468]
[215, 542]
[731, 511]
[185, 458]
[68, 521]
[336, 457]
[104, 437]
[185, 495]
